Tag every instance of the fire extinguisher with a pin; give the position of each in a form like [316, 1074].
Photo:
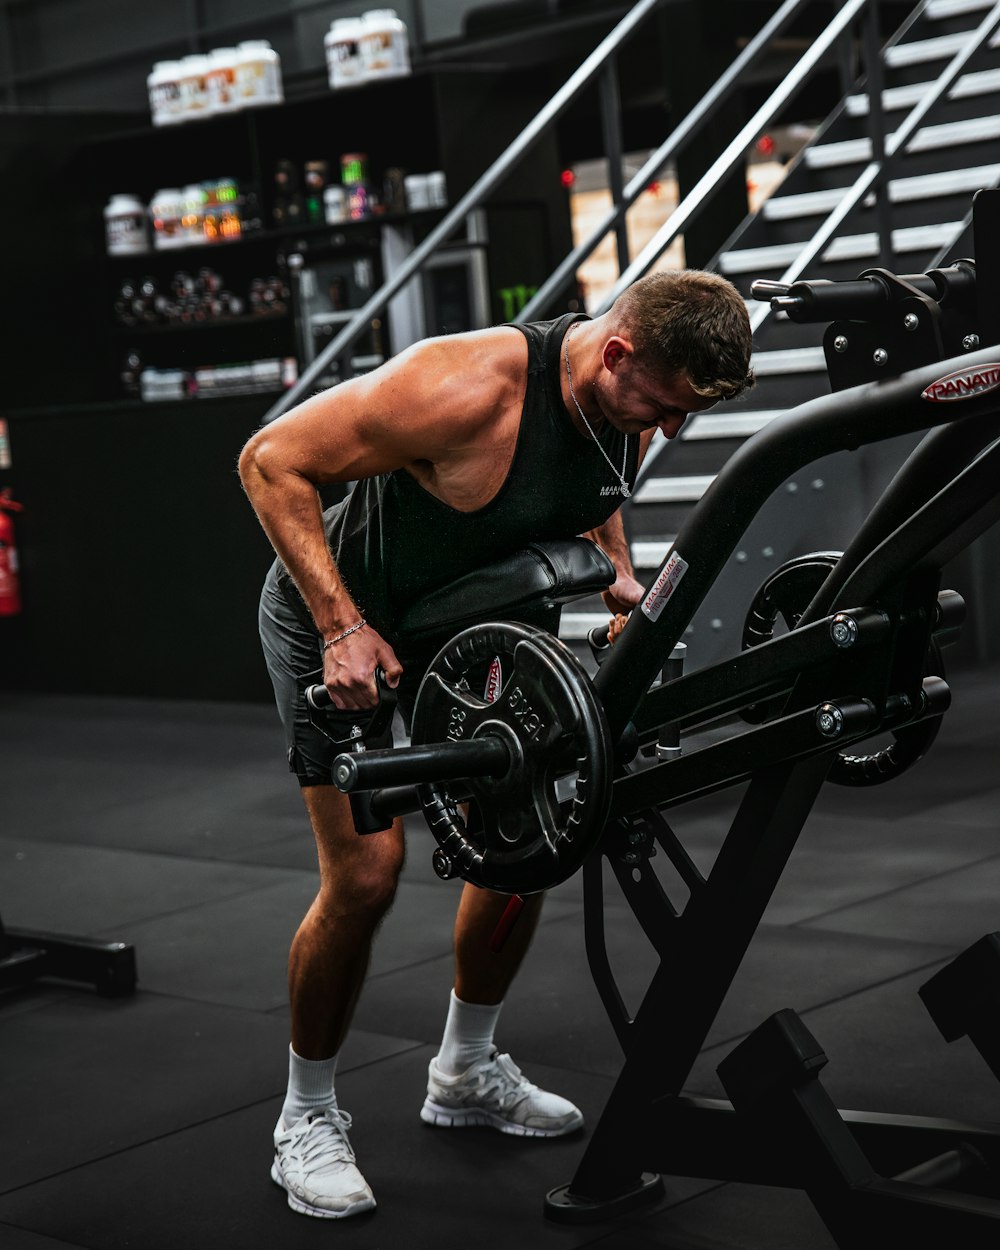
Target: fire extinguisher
[10, 583]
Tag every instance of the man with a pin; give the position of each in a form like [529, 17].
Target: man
[463, 449]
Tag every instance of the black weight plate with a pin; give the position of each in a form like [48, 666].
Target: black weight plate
[550, 718]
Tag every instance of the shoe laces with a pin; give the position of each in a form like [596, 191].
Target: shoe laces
[501, 1080]
[322, 1139]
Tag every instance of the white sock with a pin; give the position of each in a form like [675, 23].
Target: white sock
[310, 1087]
[468, 1035]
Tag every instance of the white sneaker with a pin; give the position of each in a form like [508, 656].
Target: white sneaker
[314, 1163]
[495, 1093]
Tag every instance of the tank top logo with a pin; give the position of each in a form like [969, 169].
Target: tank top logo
[611, 490]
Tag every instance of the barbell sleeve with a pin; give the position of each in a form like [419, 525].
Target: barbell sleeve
[487, 756]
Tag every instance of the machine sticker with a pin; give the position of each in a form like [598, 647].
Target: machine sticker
[963, 384]
[494, 681]
[664, 586]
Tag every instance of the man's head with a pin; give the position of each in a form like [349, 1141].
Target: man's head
[687, 321]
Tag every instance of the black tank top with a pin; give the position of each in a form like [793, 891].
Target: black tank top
[393, 541]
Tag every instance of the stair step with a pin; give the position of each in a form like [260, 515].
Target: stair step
[907, 96]
[937, 48]
[673, 489]
[901, 191]
[847, 247]
[927, 139]
[649, 553]
[729, 425]
[575, 626]
[788, 360]
[941, 10]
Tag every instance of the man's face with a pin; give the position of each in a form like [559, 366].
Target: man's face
[633, 399]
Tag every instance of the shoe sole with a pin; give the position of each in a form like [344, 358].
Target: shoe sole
[445, 1117]
[303, 1208]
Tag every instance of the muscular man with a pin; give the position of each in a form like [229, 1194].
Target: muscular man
[463, 449]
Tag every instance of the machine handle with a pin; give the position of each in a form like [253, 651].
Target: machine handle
[487, 756]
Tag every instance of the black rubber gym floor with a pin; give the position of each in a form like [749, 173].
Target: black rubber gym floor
[145, 1122]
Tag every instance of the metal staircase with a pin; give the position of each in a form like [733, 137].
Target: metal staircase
[955, 151]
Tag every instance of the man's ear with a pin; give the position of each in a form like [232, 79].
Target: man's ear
[616, 351]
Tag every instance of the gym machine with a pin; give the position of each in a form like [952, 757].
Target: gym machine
[27, 955]
[560, 771]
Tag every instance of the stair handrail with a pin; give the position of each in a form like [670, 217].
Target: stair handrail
[894, 145]
[472, 199]
[734, 152]
[655, 164]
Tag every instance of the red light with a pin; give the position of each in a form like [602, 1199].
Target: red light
[567, 178]
[765, 145]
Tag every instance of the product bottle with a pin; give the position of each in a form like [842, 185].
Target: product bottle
[193, 95]
[166, 213]
[343, 52]
[317, 175]
[258, 74]
[193, 220]
[220, 80]
[164, 93]
[385, 45]
[125, 226]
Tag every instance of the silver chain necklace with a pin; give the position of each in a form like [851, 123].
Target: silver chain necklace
[569, 378]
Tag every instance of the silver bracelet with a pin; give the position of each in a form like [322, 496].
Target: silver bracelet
[346, 634]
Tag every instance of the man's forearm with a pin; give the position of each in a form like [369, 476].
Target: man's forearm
[610, 537]
[288, 508]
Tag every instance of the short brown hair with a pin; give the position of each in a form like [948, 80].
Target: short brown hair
[692, 321]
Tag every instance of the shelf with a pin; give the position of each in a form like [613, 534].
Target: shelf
[277, 234]
[122, 406]
[209, 323]
[198, 249]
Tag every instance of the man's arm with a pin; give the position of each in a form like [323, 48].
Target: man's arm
[625, 592]
[419, 406]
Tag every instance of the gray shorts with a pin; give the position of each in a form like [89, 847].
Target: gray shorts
[293, 654]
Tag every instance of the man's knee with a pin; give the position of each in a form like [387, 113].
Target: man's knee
[358, 872]
[368, 882]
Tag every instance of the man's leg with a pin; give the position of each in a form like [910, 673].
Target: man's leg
[469, 1082]
[483, 975]
[329, 957]
[330, 951]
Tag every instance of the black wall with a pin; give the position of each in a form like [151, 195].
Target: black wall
[142, 559]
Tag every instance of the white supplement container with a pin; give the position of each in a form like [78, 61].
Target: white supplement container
[193, 220]
[437, 189]
[335, 205]
[192, 90]
[418, 192]
[343, 52]
[385, 45]
[166, 213]
[220, 80]
[164, 93]
[258, 74]
[125, 226]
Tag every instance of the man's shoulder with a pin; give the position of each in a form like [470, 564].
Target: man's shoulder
[473, 370]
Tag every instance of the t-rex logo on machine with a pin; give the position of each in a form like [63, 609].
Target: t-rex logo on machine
[963, 384]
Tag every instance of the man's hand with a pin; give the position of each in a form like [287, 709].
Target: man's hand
[349, 669]
[623, 594]
[615, 626]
